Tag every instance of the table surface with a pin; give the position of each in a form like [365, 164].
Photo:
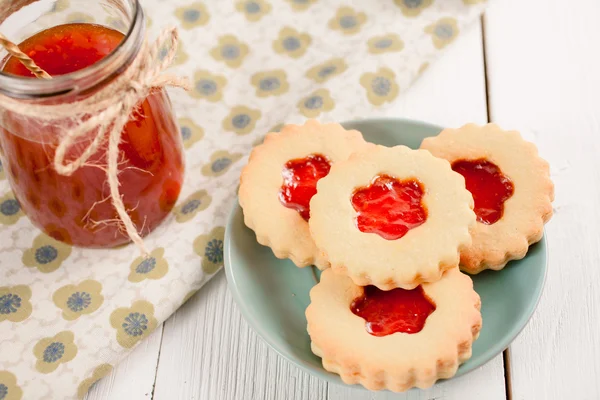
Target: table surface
[528, 65]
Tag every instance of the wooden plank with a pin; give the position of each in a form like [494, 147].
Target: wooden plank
[209, 352]
[133, 378]
[543, 71]
[451, 93]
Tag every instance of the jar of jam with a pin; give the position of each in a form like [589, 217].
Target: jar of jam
[82, 57]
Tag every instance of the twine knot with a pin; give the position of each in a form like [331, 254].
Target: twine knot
[105, 113]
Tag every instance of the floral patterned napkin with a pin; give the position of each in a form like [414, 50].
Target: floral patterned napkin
[68, 315]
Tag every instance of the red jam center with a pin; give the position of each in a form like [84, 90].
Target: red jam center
[392, 311]
[489, 187]
[300, 178]
[389, 207]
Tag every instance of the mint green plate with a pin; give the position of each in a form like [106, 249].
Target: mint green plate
[272, 294]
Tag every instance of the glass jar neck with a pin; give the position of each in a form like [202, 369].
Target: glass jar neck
[87, 79]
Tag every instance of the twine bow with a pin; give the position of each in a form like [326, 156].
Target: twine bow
[106, 112]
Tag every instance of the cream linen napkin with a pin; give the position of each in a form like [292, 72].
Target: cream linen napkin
[68, 315]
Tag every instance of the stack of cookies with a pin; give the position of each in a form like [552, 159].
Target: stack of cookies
[392, 228]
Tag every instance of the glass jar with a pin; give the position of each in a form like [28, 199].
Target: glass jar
[77, 209]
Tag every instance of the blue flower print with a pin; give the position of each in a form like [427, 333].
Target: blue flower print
[79, 301]
[252, 7]
[3, 391]
[9, 303]
[230, 52]
[190, 206]
[210, 248]
[186, 133]
[313, 102]
[147, 265]
[10, 207]
[191, 15]
[384, 43]
[381, 86]
[220, 164]
[45, 254]
[269, 84]
[413, 3]
[444, 31]
[240, 121]
[206, 87]
[291, 43]
[54, 352]
[135, 324]
[214, 251]
[348, 21]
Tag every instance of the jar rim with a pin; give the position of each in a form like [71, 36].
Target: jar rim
[84, 79]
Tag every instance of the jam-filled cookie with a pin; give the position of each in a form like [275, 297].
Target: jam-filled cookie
[394, 339]
[392, 217]
[511, 187]
[280, 179]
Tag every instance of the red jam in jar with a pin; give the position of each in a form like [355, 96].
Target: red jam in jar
[77, 209]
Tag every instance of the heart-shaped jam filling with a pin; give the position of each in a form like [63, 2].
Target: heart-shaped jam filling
[300, 178]
[389, 207]
[396, 310]
[488, 185]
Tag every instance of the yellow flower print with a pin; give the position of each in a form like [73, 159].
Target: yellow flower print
[210, 248]
[230, 50]
[61, 5]
[301, 5]
[292, 42]
[241, 120]
[381, 86]
[192, 15]
[472, 2]
[79, 18]
[133, 324]
[9, 390]
[443, 32]
[348, 21]
[253, 9]
[14, 303]
[192, 205]
[10, 209]
[78, 300]
[412, 8]
[152, 267]
[313, 105]
[180, 56]
[323, 72]
[190, 132]
[220, 162]
[53, 351]
[208, 86]
[46, 254]
[99, 372]
[385, 44]
[270, 83]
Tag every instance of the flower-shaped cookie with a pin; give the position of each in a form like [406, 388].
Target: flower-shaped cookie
[392, 217]
[277, 184]
[394, 339]
[511, 187]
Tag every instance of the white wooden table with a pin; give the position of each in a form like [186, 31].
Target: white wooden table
[530, 65]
